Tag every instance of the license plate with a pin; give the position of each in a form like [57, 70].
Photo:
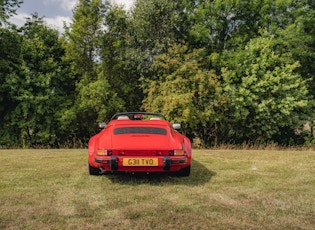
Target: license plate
[140, 162]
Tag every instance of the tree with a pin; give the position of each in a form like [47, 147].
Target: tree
[10, 60]
[94, 100]
[155, 25]
[82, 37]
[35, 90]
[186, 92]
[224, 28]
[265, 93]
[221, 25]
[298, 37]
[114, 58]
[8, 8]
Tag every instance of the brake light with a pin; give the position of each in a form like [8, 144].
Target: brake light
[104, 152]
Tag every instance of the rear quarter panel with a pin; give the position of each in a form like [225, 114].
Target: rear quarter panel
[183, 140]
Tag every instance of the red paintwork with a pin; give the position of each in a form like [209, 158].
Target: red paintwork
[139, 146]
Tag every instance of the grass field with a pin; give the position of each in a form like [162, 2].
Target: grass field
[227, 189]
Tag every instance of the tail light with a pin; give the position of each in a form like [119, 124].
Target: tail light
[104, 152]
[176, 152]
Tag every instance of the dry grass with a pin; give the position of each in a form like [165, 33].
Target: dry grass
[228, 189]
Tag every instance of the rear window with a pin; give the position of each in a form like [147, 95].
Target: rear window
[141, 130]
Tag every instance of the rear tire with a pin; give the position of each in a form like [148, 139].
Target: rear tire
[94, 171]
[184, 172]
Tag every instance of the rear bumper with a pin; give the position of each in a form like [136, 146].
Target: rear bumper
[164, 164]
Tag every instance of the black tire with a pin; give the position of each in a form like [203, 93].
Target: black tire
[94, 171]
[185, 172]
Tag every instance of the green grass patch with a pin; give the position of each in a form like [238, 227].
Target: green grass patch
[227, 189]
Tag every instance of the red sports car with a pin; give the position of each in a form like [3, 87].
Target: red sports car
[139, 142]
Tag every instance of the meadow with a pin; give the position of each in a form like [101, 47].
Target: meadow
[227, 189]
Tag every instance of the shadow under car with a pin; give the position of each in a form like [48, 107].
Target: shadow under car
[199, 175]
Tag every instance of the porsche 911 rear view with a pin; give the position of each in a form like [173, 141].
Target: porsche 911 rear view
[139, 142]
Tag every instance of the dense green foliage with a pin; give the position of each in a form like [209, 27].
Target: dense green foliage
[186, 91]
[229, 71]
